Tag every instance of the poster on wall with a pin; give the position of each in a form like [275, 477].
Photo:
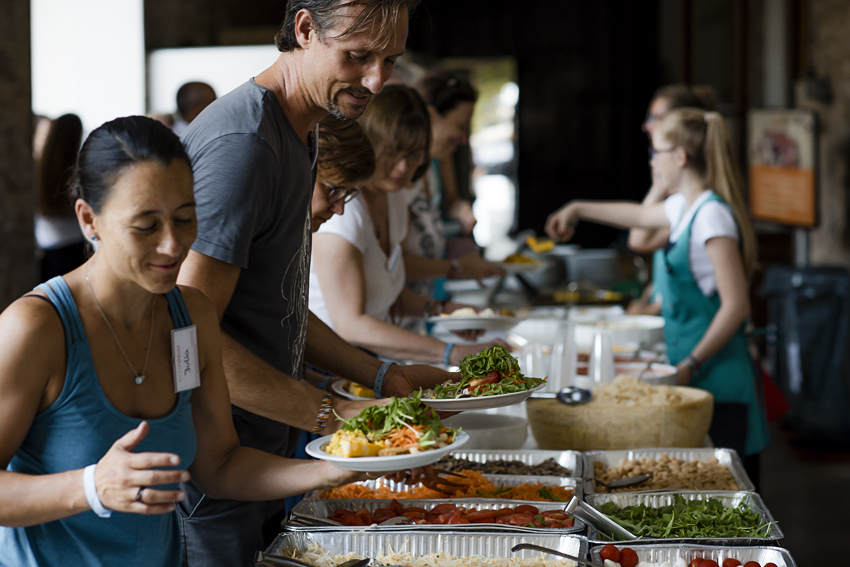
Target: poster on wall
[781, 157]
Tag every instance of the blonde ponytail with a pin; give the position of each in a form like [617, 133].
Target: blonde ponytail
[723, 176]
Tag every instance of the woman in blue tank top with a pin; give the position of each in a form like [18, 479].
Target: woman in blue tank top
[704, 280]
[99, 419]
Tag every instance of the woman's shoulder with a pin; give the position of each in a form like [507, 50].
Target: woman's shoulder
[32, 326]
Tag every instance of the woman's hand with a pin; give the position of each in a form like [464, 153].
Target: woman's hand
[561, 224]
[474, 267]
[125, 480]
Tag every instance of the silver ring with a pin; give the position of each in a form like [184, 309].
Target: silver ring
[139, 494]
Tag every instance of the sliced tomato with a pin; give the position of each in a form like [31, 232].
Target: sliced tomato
[490, 378]
[364, 515]
[413, 515]
[480, 515]
[396, 507]
[554, 514]
[519, 519]
[382, 514]
[526, 509]
[417, 509]
[503, 512]
[458, 520]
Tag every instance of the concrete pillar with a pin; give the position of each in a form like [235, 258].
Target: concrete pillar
[17, 202]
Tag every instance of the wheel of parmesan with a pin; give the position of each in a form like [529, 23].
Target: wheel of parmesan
[625, 414]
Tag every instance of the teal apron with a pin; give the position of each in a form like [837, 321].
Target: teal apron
[739, 420]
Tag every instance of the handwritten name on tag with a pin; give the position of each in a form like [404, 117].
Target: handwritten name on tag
[184, 345]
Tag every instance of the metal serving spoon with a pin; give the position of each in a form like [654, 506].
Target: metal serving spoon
[623, 482]
[570, 395]
[521, 546]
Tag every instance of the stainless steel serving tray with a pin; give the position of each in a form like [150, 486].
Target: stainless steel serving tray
[299, 519]
[728, 457]
[670, 551]
[374, 544]
[497, 479]
[658, 499]
[568, 459]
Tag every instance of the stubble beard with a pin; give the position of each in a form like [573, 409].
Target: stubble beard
[336, 110]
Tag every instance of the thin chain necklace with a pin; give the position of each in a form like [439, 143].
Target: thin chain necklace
[140, 377]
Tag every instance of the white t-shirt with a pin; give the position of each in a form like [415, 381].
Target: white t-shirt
[713, 220]
[384, 274]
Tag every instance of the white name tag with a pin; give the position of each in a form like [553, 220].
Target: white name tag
[394, 258]
[184, 345]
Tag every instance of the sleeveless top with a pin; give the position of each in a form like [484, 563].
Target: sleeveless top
[76, 431]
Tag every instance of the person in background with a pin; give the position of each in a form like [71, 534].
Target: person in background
[96, 429]
[358, 272]
[665, 99]
[57, 232]
[450, 100]
[252, 153]
[192, 98]
[707, 263]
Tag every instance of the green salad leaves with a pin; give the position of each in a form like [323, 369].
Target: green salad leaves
[491, 372]
[376, 422]
[708, 518]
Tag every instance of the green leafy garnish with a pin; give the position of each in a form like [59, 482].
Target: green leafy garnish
[547, 493]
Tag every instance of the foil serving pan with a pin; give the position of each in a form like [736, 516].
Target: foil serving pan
[497, 479]
[571, 460]
[375, 544]
[304, 516]
[659, 499]
[728, 457]
[671, 551]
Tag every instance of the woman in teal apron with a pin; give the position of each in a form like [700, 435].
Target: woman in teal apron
[708, 259]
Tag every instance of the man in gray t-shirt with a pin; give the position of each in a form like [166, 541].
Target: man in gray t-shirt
[251, 153]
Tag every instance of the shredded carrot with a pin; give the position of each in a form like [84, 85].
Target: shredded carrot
[475, 486]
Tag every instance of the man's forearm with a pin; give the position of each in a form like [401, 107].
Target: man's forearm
[328, 351]
[258, 387]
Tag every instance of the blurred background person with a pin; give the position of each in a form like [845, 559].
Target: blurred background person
[358, 271]
[450, 99]
[192, 98]
[665, 99]
[57, 232]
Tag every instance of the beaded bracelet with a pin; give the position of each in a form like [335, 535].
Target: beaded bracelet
[325, 409]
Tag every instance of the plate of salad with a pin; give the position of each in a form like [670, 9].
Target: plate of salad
[489, 379]
[400, 435]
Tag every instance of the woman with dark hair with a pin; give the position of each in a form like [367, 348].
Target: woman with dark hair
[707, 264]
[450, 99]
[99, 420]
[56, 229]
[357, 274]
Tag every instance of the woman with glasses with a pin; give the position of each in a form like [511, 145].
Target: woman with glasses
[346, 160]
[707, 263]
[665, 99]
[358, 271]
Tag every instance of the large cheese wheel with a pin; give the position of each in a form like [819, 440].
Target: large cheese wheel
[593, 426]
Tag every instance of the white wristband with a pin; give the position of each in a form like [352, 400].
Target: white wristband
[91, 493]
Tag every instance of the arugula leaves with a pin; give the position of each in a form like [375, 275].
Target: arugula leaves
[708, 518]
[377, 422]
[476, 366]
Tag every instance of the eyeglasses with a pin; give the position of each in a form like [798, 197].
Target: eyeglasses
[336, 194]
[653, 152]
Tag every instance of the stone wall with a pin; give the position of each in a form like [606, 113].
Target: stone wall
[17, 243]
[830, 59]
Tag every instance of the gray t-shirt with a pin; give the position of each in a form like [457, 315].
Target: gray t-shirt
[253, 185]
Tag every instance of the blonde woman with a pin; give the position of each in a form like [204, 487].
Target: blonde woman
[708, 260]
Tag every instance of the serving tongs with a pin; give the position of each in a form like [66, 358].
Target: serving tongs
[263, 560]
[531, 546]
[597, 519]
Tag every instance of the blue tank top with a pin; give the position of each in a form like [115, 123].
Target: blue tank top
[76, 431]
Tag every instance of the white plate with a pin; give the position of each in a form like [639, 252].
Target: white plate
[521, 267]
[482, 402]
[384, 464]
[338, 388]
[498, 323]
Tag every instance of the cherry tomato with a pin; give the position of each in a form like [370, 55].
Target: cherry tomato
[731, 562]
[770, 565]
[610, 553]
[628, 557]
[695, 562]
[752, 564]
[709, 563]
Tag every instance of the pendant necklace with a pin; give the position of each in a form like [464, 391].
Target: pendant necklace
[140, 377]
